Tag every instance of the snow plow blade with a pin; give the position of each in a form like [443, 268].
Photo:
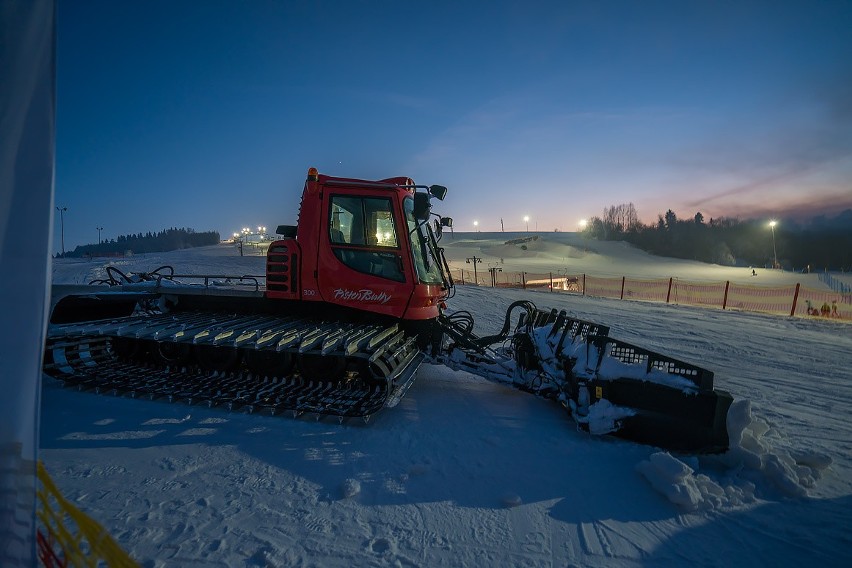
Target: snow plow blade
[613, 387]
[668, 417]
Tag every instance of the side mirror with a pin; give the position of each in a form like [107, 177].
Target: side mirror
[438, 191]
[286, 231]
[422, 207]
[447, 222]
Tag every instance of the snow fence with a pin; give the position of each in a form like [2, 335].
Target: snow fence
[792, 300]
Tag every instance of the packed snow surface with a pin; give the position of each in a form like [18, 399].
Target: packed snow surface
[465, 472]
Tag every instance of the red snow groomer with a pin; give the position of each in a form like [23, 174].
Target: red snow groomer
[355, 299]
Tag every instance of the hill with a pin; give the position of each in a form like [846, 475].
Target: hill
[571, 252]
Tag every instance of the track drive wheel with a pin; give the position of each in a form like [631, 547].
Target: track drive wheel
[173, 353]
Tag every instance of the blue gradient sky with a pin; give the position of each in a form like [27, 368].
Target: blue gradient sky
[207, 114]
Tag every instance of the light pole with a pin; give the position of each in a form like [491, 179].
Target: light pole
[527, 221]
[476, 226]
[244, 238]
[62, 211]
[494, 270]
[774, 250]
[583, 225]
[475, 260]
[99, 233]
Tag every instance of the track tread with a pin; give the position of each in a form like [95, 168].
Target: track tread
[81, 355]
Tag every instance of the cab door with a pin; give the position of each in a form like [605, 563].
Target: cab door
[362, 259]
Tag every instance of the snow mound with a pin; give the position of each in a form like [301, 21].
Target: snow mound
[679, 483]
[605, 417]
[752, 466]
[350, 488]
[511, 500]
[791, 472]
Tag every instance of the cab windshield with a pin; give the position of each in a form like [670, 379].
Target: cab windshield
[425, 258]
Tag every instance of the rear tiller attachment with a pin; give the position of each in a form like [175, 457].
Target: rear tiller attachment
[607, 385]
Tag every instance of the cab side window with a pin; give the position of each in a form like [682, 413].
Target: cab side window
[363, 235]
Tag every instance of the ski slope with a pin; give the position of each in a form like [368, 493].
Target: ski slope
[469, 473]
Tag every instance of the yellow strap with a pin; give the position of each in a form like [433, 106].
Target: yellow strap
[91, 544]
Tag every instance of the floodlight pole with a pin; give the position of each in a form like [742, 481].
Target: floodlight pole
[475, 260]
[62, 211]
[99, 233]
[774, 250]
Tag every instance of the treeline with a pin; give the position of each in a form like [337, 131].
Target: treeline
[822, 244]
[163, 241]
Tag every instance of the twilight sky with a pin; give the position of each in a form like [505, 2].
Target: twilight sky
[207, 114]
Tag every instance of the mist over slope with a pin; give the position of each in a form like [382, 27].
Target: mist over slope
[574, 254]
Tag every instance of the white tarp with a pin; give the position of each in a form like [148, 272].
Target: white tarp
[27, 121]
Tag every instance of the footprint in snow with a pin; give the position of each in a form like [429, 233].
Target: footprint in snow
[379, 546]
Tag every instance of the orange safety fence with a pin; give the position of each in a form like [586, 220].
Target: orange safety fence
[824, 303]
[509, 279]
[538, 280]
[648, 290]
[792, 300]
[698, 293]
[603, 287]
[769, 300]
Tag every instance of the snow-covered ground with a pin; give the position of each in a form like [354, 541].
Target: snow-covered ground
[469, 473]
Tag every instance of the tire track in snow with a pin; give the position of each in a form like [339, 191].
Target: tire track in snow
[594, 541]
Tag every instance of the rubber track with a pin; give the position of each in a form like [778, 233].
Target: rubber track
[81, 355]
